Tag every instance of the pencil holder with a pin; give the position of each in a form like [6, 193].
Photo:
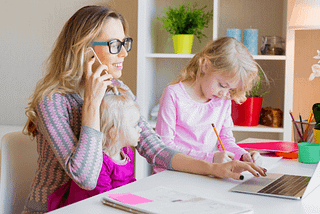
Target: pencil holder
[303, 131]
[316, 134]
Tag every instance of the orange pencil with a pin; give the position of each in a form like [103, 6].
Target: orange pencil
[214, 128]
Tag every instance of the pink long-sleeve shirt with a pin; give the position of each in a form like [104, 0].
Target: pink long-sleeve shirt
[185, 125]
[113, 174]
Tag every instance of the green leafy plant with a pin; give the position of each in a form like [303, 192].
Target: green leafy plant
[316, 113]
[256, 90]
[186, 20]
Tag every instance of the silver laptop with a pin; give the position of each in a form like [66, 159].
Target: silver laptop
[281, 185]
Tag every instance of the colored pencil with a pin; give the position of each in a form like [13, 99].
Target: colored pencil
[307, 126]
[301, 124]
[214, 128]
[295, 124]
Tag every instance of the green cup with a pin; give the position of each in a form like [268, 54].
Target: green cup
[309, 152]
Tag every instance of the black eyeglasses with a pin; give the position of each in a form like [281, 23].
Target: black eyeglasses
[115, 45]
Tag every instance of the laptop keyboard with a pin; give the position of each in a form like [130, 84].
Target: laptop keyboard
[289, 185]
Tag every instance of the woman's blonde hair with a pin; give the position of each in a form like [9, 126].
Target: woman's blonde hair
[65, 66]
[229, 59]
[113, 114]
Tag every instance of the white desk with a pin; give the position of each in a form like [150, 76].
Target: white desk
[212, 188]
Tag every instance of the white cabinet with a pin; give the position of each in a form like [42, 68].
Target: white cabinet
[157, 64]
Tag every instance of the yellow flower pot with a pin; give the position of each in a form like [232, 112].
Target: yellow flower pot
[182, 43]
[316, 134]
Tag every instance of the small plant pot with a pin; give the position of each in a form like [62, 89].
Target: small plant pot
[248, 113]
[316, 134]
[182, 43]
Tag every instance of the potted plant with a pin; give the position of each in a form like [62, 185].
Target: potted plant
[248, 113]
[183, 23]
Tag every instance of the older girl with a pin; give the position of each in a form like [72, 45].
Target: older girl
[201, 95]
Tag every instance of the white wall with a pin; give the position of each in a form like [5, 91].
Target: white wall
[28, 29]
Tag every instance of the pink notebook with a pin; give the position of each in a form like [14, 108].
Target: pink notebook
[271, 146]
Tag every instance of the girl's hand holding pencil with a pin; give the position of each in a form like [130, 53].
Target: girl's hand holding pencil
[224, 156]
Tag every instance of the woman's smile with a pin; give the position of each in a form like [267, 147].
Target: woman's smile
[118, 65]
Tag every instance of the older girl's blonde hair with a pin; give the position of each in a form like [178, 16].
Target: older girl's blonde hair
[65, 66]
[113, 110]
[229, 59]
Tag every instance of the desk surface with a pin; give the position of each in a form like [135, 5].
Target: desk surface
[213, 188]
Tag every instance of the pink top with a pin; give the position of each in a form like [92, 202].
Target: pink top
[112, 175]
[185, 125]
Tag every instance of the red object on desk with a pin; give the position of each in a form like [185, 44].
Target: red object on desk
[271, 146]
[288, 155]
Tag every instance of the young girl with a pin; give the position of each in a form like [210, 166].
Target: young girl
[119, 125]
[200, 95]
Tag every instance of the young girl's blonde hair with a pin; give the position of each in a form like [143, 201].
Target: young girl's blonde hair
[65, 66]
[113, 113]
[229, 59]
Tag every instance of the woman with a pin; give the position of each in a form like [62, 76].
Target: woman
[64, 110]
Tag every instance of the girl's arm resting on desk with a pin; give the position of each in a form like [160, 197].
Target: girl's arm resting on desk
[232, 169]
[72, 153]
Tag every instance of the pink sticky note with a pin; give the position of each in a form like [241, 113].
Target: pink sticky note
[129, 198]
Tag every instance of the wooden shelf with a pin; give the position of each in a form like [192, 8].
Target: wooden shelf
[259, 128]
[169, 55]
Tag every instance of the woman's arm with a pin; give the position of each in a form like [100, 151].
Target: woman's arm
[232, 169]
[80, 155]
[95, 87]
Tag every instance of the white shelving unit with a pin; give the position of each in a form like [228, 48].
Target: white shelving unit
[157, 64]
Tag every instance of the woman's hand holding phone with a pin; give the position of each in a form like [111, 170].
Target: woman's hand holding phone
[96, 83]
[97, 79]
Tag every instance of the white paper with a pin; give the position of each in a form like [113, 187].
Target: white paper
[265, 162]
[269, 162]
[167, 200]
